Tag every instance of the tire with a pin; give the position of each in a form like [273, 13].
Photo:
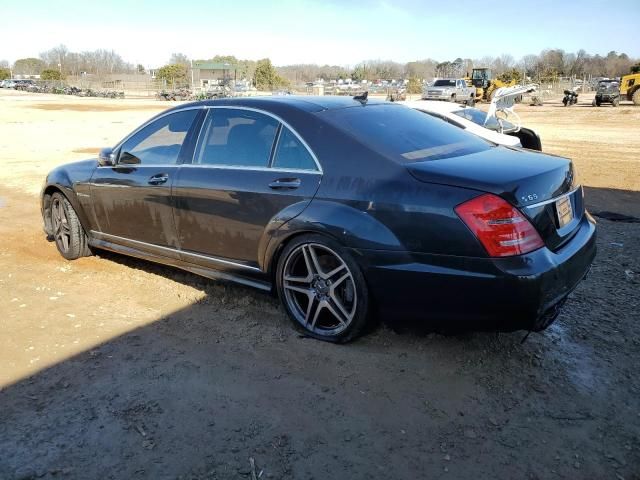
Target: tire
[70, 238]
[635, 98]
[322, 289]
[615, 102]
[471, 102]
[453, 98]
[565, 101]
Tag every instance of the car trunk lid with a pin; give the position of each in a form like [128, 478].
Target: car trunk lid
[540, 185]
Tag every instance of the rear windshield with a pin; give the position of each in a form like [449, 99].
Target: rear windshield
[444, 83]
[405, 134]
[478, 117]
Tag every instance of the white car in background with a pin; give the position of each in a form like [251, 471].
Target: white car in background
[504, 129]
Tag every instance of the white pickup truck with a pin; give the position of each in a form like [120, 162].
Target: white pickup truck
[450, 90]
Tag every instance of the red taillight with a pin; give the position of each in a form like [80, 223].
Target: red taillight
[501, 228]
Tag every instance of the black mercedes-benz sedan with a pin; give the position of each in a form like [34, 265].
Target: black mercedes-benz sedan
[343, 207]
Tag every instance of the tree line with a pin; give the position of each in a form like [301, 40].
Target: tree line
[549, 64]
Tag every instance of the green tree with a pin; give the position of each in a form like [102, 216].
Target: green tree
[50, 74]
[28, 66]
[173, 74]
[511, 74]
[266, 77]
[359, 73]
[414, 86]
[635, 68]
[5, 73]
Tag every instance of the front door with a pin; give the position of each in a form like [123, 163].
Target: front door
[132, 200]
[248, 170]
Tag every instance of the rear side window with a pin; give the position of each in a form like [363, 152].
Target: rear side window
[291, 153]
[405, 134]
[236, 137]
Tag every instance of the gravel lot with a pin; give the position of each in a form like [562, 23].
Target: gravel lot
[116, 368]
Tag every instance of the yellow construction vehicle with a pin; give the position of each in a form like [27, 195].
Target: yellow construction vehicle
[485, 84]
[630, 86]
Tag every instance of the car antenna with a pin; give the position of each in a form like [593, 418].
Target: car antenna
[362, 98]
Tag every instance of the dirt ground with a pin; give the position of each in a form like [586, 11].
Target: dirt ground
[116, 368]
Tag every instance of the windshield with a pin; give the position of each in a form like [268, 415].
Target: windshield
[478, 117]
[404, 134]
[444, 83]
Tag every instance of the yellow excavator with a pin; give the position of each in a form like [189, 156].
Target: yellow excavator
[630, 86]
[485, 84]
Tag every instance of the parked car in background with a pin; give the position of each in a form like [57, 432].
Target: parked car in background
[8, 83]
[450, 90]
[24, 84]
[341, 206]
[499, 131]
[607, 91]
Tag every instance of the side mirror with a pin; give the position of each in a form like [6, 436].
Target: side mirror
[106, 157]
[127, 158]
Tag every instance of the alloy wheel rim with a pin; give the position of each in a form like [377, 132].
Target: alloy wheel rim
[61, 230]
[319, 289]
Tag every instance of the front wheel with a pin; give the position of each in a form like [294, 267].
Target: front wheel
[71, 239]
[615, 102]
[322, 289]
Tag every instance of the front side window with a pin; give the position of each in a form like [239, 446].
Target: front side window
[158, 143]
[236, 137]
[291, 153]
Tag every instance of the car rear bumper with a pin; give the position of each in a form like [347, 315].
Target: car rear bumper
[514, 293]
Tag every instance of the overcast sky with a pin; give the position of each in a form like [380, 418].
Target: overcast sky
[318, 31]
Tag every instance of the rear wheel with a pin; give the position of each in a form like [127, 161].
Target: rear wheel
[322, 289]
[636, 97]
[471, 102]
[71, 239]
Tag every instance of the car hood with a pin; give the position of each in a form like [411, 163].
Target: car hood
[491, 135]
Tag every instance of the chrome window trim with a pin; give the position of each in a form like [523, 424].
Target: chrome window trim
[140, 165]
[275, 117]
[555, 199]
[257, 169]
[228, 167]
[174, 250]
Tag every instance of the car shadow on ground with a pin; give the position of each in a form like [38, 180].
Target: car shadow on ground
[225, 386]
[623, 202]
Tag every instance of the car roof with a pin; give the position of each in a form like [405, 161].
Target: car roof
[433, 106]
[309, 104]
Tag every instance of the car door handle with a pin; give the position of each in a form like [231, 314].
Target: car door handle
[158, 179]
[285, 184]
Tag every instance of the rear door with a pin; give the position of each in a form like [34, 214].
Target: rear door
[132, 200]
[249, 171]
